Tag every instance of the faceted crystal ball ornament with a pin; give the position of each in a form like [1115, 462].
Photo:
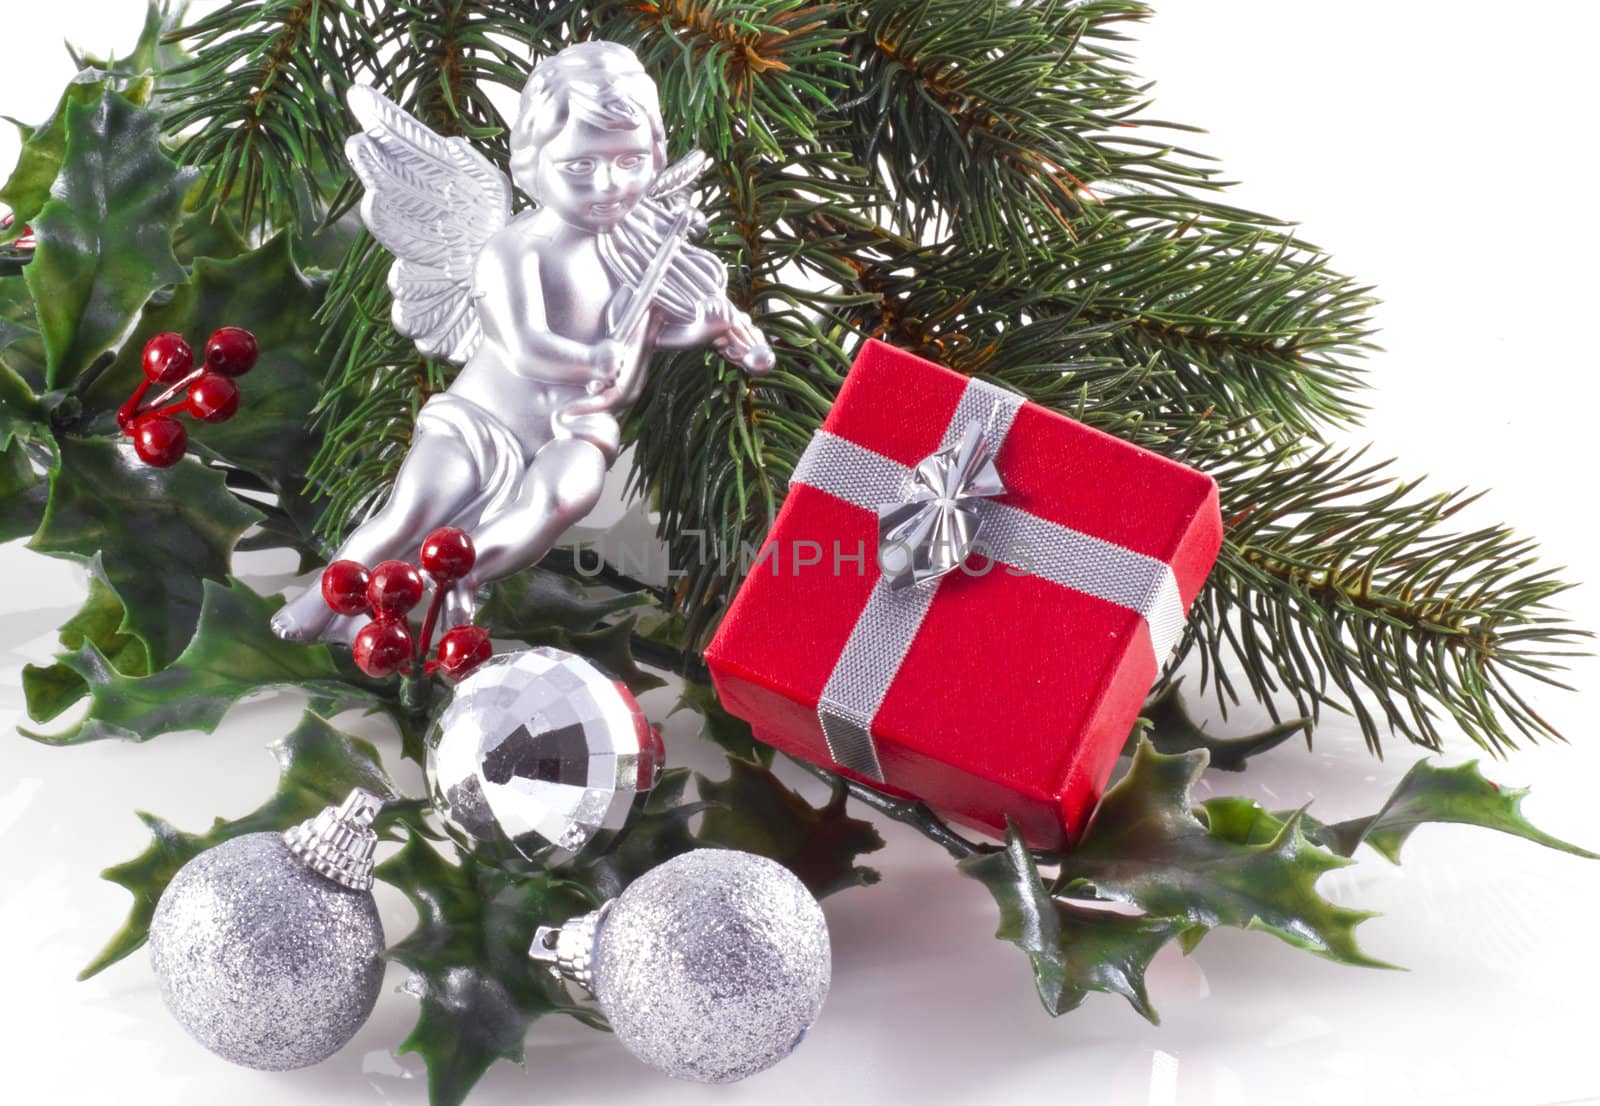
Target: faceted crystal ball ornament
[539, 751]
[710, 967]
[268, 947]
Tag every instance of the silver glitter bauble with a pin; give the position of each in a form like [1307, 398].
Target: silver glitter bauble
[710, 967]
[266, 962]
[539, 751]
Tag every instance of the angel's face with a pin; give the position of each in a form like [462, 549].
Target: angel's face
[590, 176]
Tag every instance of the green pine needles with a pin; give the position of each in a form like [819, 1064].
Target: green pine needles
[980, 184]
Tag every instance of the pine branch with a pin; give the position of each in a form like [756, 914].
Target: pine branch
[736, 71]
[449, 53]
[1240, 318]
[1018, 137]
[999, 121]
[1344, 588]
[261, 102]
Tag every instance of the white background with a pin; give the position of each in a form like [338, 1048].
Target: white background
[1441, 151]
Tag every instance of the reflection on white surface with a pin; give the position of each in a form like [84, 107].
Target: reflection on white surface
[16, 799]
[383, 1070]
[1163, 1079]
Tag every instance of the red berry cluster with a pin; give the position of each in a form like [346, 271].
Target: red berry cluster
[208, 393]
[389, 592]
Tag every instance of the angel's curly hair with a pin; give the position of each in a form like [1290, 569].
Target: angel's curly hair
[599, 82]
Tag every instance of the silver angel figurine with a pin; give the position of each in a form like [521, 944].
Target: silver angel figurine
[552, 312]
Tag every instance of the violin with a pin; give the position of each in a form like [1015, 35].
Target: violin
[651, 253]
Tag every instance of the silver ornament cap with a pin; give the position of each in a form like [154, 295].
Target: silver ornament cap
[339, 844]
[262, 959]
[538, 752]
[710, 967]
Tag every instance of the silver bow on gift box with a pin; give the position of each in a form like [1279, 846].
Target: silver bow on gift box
[931, 531]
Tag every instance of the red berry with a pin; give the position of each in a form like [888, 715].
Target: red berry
[344, 587]
[213, 398]
[447, 554]
[383, 648]
[463, 649]
[395, 587]
[159, 440]
[231, 351]
[167, 357]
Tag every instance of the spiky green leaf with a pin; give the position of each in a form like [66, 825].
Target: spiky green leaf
[1430, 793]
[105, 235]
[27, 189]
[51, 690]
[21, 412]
[23, 492]
[538, 599]
[233, 654]
[734, 734]
[610, 647]
[159, 533]
[1074, 949]
[1146, 847]
[1170, 729]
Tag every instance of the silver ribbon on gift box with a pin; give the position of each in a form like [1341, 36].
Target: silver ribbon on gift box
[932, 516]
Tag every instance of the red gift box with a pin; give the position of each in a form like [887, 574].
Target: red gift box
[1006, 687]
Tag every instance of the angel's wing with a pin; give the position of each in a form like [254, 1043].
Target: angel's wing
[434, 202]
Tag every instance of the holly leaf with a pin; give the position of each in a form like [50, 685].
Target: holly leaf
[159, 533]
[753, 810]
[468, 959]
[23, 492]
[21, 358]
[1171, 730]
[270, 436]
[27, 189]
[1189, 868]
[105, 235]
[1073, 949]
[1247, 822]
[1429, 793]
[27, 446]
[1426, 793]
[233, 654]
[51, 690]
[318, 767]
[538, 598]
[21, 413]
[157, 50]
[1147, 847]
[542, 607]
